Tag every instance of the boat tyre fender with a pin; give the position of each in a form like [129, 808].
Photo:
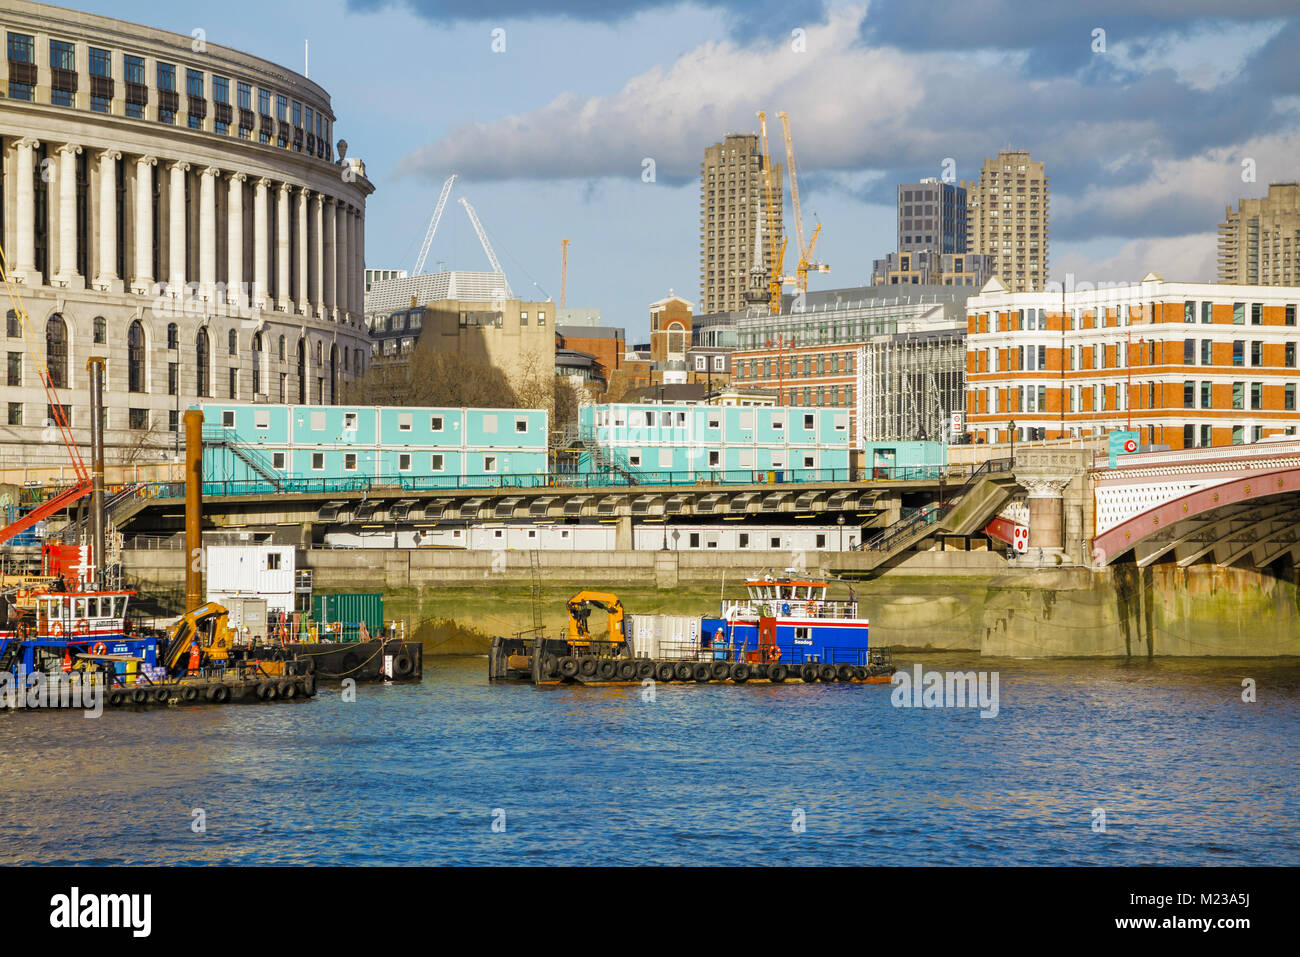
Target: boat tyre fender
[140, 695]
[701, 672]
[218, 694]
[740, 672]
[760, 671]
[190, 694]
[550, 666]
[664, 671]
[569, 666]
[827, 673]
[845, 672]
[808, 672]
[288, 690]
[403, 666]
[350, 662]
[682, 670]
[309, 664]
[860, 673]
[160, 695]
[116, 698]
[265, 691]
[587, 667]
[719, 670]
[309, 686]
[777, 673]
[645, 668]
[627, 670]
[606, 670]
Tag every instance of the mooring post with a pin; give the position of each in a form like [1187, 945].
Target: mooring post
[193, 509]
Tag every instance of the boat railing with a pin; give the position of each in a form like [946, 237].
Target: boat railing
[798, 608]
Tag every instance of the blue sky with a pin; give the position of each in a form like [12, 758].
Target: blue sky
[1144, 140]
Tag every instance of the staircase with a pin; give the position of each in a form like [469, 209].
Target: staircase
[600, 461]
[224, 439]
[983, 493]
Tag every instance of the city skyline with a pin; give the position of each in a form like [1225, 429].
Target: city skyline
[547, 146]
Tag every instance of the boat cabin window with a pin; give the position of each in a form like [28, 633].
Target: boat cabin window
[79, 608]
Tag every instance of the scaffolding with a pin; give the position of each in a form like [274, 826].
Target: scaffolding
[909, 385]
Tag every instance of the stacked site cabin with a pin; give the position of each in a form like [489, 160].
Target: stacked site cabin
[685, 443]
[257, 443]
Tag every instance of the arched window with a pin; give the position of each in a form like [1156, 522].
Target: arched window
[302, 371]
[173, 336]
[232, 343]
[56, 351]
[100, 330]
[202, 384]
[135, 357]
[12, 329]
[257, 364]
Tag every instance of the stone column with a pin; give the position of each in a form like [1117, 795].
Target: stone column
[235, 241]
[107, 276]
[318, 258]
[67, 213]
[24, 264]
[342, 273]
[1046, 512]
[260, 240]
[1045, 474]
[283, 303]
[144, 277]
[176, 247]
[208, 233]
[361, 261]
[303, 260]
[329, 301]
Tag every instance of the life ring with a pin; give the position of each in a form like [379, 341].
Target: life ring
[810, 608]
[99, 648]
[775, 654]
[56, 629]
[785, 608]
[82, 627]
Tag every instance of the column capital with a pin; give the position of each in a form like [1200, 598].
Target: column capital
[210, 171]
[111, 154]
[70, 148]
[146, 161]
[179, 166]
[285, 188]
[30, 142]
[320, 200]
[237, 177]
[263, 183]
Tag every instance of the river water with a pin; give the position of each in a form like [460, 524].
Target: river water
[1164, 754]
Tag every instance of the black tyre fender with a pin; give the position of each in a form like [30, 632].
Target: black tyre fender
[606, 670]
[308, 664]
[161, 695]
[140, 695]
[265, 691]
[664, 671]
[219, 694]
[569, 666]
[777, 673]
[350, 662]
[309, 686]
[740, 672]
[702, 672]
[844, 672]
[116, 698]
[645, 668]
[683, 671]
[587, 667]
[550, 666]
[627, 670]
[719, 670]
[808, 672]
[402, 665]
[190, 694]
[827, 673]
[860, 673]
[288, 690]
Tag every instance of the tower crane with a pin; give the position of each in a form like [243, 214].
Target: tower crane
[83, 485]
[564, 271]
[487, 246]
[433, 225]
[776, 252]
[805, 251]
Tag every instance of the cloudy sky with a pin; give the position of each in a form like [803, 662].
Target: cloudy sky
[1144, 111]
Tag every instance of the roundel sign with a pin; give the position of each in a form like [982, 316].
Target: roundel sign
[1130, 445]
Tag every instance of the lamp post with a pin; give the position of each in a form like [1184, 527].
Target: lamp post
[840, 522]
[1012, 432]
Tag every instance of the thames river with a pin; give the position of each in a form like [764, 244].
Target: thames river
[1085, 763]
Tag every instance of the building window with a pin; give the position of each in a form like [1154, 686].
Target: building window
[1290, 355]
[138, 419]
[234, 382]
[489, 463]
[100, 66]
[1290, 315]
[1288, 397]
[1207, 352]
[137, 95]
[202, 384]
[1257, 396]
[173, 378]
[317, 461]
[435, 423]
[173, 336]
[22, 49]
[1206, 395]
[1239, 395]
[173, 420]
[350, 461]
[63, 65]
[1257, 353]
[13, 328]
[56, 351]
[1256, 313]
[1189, 352]
[135, 357]
[15, 369]
[435, 462]
[1238, 353]
[166, 85]
[15, 413]
[521, 424]
[277, 462]
[1238, 313]
[1189, 395]
[232, 343]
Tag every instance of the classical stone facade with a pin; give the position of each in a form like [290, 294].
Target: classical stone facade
[176, 207]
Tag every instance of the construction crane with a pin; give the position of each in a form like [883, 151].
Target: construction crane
[805, 250]
[776, 253]
[564, 271]
[487, 246]
[433, 225]
[83, 485]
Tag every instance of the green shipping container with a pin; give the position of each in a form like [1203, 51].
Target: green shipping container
[350, 608]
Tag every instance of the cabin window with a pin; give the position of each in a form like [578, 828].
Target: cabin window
[435, 462]
[744, 539]
[79, 608]
[317, 461]
[350, 461]
[227, 419]
[775, 542]
[272, 562]
[821, 541]
[435, 423]
[695, 539]
[404, 462]
[489, 463]
[277, 460]
[350, 421]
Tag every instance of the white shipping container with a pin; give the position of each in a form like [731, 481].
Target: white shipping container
[254, 571]
[664, 636]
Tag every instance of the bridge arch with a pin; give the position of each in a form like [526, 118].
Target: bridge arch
[1255, 516]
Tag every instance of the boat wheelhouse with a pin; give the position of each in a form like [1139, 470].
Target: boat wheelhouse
[69, 625]
[791, 618]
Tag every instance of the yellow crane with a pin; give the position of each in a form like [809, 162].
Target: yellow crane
[806, 261]
[776, 252]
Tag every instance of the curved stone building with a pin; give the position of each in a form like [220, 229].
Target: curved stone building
[175, 206]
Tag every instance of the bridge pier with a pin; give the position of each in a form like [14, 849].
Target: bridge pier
[1057, 484]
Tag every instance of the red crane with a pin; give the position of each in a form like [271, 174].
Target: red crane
[82, 486]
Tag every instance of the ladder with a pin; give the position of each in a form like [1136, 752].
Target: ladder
[535, 573]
